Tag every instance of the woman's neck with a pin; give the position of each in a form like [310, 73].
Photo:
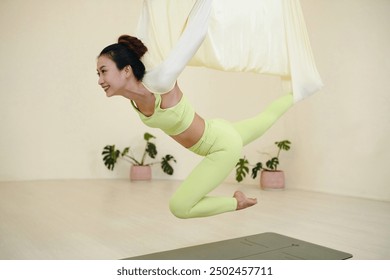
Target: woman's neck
[143, 99]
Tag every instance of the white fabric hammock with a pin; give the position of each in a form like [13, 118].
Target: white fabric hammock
[262, 36]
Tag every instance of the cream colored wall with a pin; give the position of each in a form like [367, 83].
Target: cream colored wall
[55, 119]
[342, 135]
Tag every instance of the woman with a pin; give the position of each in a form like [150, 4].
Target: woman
[160, 103]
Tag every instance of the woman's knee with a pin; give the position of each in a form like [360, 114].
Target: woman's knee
[178, 208]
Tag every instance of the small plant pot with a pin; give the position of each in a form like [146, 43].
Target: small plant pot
[272, 180]
[140, 173]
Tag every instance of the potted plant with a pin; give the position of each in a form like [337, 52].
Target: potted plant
[140, 169]
[271, 177]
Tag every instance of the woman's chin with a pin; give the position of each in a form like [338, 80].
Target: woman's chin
[109, 93]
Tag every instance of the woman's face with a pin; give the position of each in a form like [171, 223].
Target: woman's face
[111, 79]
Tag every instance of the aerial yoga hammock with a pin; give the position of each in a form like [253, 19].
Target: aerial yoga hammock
[262, 36]
[265, 36]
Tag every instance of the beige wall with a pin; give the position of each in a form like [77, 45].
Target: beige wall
[54, 118]
[342, 135]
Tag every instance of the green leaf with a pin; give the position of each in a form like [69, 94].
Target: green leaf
[151, 149]
[256, 169]
[125, 151]
[148, 136]
[272, 163]
[166, 166]
[110, 156]
[242, 169]
[283, 145]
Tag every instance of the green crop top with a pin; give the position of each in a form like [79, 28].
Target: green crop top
[173, 120]
[162, 78]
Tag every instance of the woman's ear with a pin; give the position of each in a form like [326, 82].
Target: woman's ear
[128, 71]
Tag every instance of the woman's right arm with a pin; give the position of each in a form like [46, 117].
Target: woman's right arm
[162, 79]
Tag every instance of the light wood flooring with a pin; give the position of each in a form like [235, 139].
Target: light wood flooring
[115, 219]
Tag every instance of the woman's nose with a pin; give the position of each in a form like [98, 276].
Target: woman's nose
[100, 81]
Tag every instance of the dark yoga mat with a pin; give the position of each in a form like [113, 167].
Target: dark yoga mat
[264, 246]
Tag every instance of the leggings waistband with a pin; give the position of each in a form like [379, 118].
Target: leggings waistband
[218, 135]
[199, 147]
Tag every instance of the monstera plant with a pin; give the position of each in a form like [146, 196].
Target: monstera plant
[111, 155]
[271, 177]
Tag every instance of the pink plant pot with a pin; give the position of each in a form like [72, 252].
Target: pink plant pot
[140, 173]
[272, 180]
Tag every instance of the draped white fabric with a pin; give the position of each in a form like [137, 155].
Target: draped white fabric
[262, 36]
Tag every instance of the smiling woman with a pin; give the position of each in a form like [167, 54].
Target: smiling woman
[160, 103]
[109, 76]
[125, 55]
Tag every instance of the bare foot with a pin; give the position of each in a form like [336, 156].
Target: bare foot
[243, 201]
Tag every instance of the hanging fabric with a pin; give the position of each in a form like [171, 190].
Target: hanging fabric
[262, 36]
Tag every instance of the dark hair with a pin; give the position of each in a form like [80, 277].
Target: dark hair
[128, 51]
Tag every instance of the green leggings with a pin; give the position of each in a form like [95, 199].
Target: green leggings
[221, 146]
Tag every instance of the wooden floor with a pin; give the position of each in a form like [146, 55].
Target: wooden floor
[115, 219]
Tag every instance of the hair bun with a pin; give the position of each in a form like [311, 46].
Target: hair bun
[134, 44]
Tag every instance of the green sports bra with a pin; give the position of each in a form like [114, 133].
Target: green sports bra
[173, 120]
